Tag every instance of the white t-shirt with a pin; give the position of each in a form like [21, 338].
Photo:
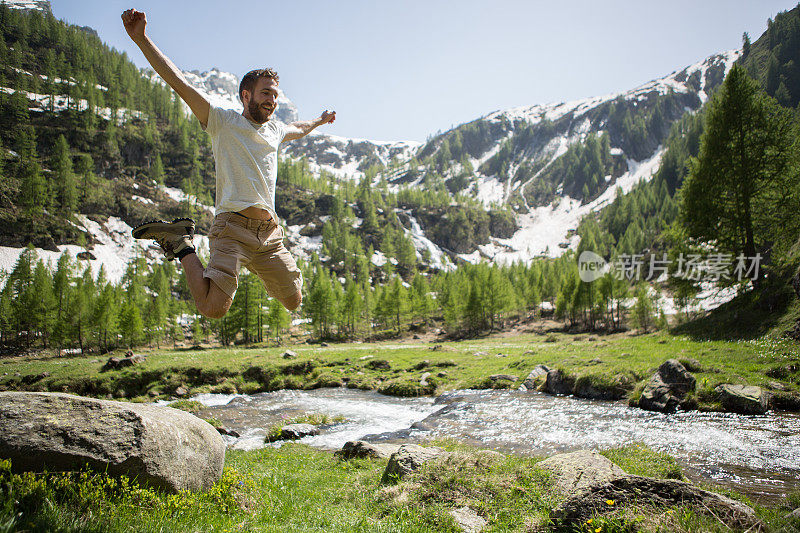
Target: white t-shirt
[246, 160]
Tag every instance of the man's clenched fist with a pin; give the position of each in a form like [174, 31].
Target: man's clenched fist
[134, 22]
[328, 117]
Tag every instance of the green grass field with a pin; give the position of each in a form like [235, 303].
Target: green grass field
[297, 488]
[620, 361]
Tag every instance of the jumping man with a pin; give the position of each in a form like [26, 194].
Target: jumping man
[245, 231]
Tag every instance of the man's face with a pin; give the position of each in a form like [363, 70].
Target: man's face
[263, 100]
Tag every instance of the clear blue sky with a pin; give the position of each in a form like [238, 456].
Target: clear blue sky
[404, 69]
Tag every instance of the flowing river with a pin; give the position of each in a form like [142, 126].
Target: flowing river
[756, 455]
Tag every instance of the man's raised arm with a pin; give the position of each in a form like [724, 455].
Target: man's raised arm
[135, 22]
[301, 128]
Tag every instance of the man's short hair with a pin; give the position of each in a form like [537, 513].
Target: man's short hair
[249, 80]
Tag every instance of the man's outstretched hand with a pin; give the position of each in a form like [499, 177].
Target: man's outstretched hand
[134, 22]
[327, 117]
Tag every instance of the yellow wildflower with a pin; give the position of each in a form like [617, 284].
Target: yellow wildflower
[610, 502]
[589, 521]
[598, 530]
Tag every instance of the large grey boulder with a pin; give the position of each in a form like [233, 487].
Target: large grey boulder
[160, 446]
[577, 471]
[743, 399]
[645, 492]
[358, 449]
[538, 370]
[668, 387]
[408, 458]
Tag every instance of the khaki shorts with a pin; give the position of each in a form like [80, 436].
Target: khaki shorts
[238, 241]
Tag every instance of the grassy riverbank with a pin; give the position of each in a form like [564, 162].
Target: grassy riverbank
[297, 488]
[618, 364]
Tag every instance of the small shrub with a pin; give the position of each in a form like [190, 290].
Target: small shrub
[300, 368]
[292, 382]
[692, 365]
[639, 460]
[224, 388]
[250, 387]
[362, 383]
[94, 499]
[326, 380]
[378, 364]
[214, 422]
[636, 394]
[190, 406]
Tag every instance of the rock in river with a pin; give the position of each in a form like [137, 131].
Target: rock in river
[530, 381]
[160, 446]
[743, 399]
[298, 431]
[558, 382]
[668, 387]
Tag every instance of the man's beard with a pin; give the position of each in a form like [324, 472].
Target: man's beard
[258, 113]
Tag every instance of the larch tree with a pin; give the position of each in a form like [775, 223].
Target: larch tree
[742, 189]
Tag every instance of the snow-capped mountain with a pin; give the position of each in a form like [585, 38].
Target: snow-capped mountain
[516, 155]
[539, 134]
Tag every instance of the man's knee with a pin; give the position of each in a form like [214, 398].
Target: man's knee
[292, 302]
[214, 311]
[216, 304]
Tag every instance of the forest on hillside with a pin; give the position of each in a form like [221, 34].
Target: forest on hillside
[77, 143]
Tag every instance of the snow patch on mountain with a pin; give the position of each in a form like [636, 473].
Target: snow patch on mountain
[179, 196]
[301, 246]
[346, 157]
[544, 230]
[29, 5]
[423, 245]
[42, 102]
[113, 249]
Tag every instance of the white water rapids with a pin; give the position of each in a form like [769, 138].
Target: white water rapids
[757, 455]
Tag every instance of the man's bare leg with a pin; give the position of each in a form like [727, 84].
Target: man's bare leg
[211, 301]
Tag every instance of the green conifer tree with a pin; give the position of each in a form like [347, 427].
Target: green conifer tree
[64, 177]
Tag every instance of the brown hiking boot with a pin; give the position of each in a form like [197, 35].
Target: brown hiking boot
[174, 238]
